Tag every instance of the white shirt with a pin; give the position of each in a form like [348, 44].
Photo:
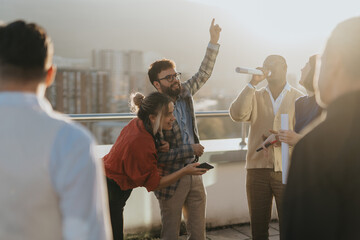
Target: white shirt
[47, 163]
[276, 103]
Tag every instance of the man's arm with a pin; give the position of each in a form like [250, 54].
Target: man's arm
[241, 108]
[207, 65]
[78, 178]
[176, 154]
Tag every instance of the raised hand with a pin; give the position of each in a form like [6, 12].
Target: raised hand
[214, 32]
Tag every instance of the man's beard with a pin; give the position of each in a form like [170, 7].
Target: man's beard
[170, 92]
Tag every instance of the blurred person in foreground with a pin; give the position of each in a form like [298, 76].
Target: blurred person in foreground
[321, 200]
[52, 186]
[187, 194]
[263, 108]
[307, 111]
[132, 160]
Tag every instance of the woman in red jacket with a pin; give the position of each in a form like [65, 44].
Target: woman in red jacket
[132, 161]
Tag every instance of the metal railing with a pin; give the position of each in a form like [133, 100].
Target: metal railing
[98, 117]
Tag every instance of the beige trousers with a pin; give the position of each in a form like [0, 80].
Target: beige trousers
[261, 186]
[189, 198]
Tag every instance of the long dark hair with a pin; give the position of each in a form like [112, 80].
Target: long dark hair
[155, 103]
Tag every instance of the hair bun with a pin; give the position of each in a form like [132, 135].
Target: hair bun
[136, 101]
[138, 98]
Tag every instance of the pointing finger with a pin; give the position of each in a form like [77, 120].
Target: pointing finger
[212, 22]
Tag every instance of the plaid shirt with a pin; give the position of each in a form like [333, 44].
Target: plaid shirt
[181, 154]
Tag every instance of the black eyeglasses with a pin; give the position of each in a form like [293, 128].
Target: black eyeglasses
[172, 77]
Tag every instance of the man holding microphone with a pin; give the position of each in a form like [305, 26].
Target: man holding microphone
[263, 108]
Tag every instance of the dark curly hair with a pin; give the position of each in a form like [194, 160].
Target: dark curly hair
[158, 66]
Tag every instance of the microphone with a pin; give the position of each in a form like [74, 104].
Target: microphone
[249, 71]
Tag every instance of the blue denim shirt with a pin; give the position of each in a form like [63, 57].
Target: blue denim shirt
[181, 153]
[183, 117]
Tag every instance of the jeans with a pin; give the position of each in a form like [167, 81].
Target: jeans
[117, 201]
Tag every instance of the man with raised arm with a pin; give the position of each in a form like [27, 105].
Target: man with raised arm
[188, 194]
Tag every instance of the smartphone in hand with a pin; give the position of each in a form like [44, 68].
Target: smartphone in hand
[205, 165]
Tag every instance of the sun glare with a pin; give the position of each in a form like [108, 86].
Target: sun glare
[282, 21]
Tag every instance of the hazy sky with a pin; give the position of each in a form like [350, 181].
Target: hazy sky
[178, 29]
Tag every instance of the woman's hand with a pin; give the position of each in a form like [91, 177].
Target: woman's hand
[191, 169]
[165, 147]
[271, 139]
[288, 136]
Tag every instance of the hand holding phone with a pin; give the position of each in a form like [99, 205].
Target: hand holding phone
[205, 165]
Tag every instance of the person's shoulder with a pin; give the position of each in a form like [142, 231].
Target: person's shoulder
[79, 130]
[296, 92]
[70, 129]
[300, 101]
[138, 136]
[72, 143]
[185, 90]
[141, 145]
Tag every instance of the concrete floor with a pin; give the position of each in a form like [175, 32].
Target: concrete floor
[241, 232]
[238, 232]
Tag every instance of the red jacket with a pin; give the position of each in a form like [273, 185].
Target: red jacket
[132, 161]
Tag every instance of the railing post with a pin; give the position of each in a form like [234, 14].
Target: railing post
[243, 134]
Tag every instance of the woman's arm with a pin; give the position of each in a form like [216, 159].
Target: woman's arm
[290, 137]
[190, 169]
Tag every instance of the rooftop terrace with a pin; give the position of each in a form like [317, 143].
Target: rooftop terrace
[227, 210]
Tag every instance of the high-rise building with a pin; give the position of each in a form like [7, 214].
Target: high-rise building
[80, 91]
[104, 87]
[127, 74]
